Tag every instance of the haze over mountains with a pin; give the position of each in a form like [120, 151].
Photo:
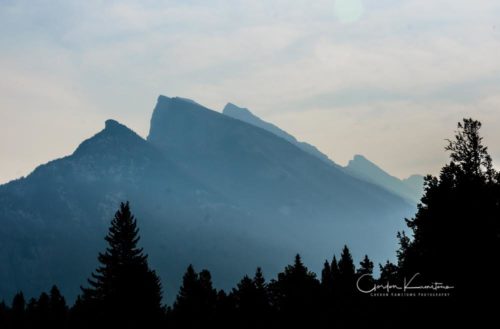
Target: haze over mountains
[245, 115]
[410, 188]
[228, 192]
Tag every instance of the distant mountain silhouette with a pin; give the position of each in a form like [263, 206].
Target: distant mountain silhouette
[360, 167]
[410, 188]
[416, 183]
[206, 188]
[245, 115]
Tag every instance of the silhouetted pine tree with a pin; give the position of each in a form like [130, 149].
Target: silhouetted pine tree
[458, 219]
[124, 291]
[335, 272]
[363, 309]
[389, 272]
[252, 301]
[31, 315]
[79, 314]
[41, 311]
[296, 295]
[326, 297]
[196, 300]
[18, 311]
[365, 270]
[262, 296]
[245, 298]
[330, 284]
[225, 311]
[58, 310]
[326, 278]
[37, 313]
[345, 289]
[366, 266]
[208, 293]
[346, 273]
[188, 300]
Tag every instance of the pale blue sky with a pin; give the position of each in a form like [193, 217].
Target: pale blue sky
[387, 79]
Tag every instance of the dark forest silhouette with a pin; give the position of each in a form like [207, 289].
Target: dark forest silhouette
[452, 255]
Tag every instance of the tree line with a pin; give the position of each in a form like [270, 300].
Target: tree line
[447, 264]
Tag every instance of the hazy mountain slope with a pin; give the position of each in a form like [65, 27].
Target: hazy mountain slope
[245, 115]
[416, 183]
[252, 163]
[53, 221]
[363, 168]
[297, 199]
[207, 189]
[410, 189]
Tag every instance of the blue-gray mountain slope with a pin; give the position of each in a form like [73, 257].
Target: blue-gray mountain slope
[207, 189]
[245, 115]
[410, 188]
[360, 167]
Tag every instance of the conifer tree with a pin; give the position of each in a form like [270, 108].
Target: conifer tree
[58, 314]
[296, 293]
[389, 272]
[262, 305]
[365, 270]
[196, 300]
[327, 285]
[252, 301]
[18, 311]
[31, 315]
[326, 277]
[43, 310]
[124, 291]
[366, 266]
[245, 298]
[335, 272]
[346, 272]
[225, 312]
[187, 297]
[458, 219]
[260, 284]
[208, 294]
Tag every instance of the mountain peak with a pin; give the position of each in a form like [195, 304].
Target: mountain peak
[244, 114]
[112, 124]
[113, 137]
[361, 163]
[366, 170]
[113, 128]
[178, 114]
[359, 159]
[233, 110]
[163, 98]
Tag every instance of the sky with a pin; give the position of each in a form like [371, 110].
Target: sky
[388, 79]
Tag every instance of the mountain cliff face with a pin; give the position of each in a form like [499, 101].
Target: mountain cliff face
[410, 189]
[416, 183]
[359, 167]
[207, 189]
[243, 114]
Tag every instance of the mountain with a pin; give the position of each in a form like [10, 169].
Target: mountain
[410, 188]
[416, 183]
[245, 115]
[54, 220]
[206, 188]
[360, 167]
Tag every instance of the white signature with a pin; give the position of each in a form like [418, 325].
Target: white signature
[407, 285]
